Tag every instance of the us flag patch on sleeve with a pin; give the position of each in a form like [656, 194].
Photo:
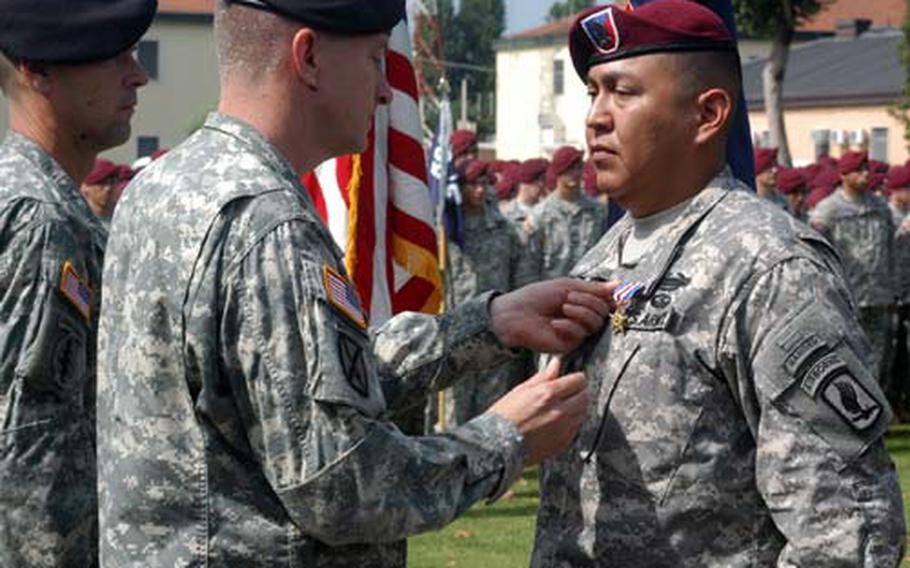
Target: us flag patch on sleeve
[75, 290]
[343, 296]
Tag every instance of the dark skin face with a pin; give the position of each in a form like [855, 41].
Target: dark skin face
[652, 143]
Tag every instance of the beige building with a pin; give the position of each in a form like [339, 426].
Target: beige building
[179, 55]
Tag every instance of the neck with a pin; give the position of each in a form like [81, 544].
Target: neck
[278, 118]
[39, 123]
[763, 189]
[567, 192]
[665, 197]
[853, 192]
[472, 210]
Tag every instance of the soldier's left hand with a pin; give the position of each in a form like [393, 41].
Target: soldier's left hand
[553, 316]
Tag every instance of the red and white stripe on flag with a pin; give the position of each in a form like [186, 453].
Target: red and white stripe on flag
[377, 204]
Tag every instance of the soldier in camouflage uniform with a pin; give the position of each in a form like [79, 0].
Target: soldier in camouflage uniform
[860, 226]
[734, 420]
[51, 255]
[242, 404]
[766, 170]
[530, 181]
[568, 221]
[492, 258]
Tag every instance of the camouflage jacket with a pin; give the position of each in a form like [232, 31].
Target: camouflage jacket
[492, 258]
[51, 253]
[902, 255]
[567, 231]
[863, 235]
[734, 422]
[241, 402]
[517, 212]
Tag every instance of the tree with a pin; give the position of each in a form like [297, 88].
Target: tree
[776, 20]
[901, 109]
[566, 8]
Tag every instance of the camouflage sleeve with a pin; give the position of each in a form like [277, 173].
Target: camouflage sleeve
[317, 416]
[525, 261]
[796, 361]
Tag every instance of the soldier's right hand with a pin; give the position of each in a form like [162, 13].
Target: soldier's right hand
[547, 409]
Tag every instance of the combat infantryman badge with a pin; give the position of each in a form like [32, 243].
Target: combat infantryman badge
[622, 297]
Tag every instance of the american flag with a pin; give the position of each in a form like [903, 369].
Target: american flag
[377, 204]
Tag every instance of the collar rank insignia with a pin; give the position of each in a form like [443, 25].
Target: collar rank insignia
[622, 297]
[343, 296]
[75, 290]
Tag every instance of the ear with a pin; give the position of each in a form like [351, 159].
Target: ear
[715, 110]
[304, 46]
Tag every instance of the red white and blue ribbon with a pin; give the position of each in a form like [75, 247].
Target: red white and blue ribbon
[626, 292]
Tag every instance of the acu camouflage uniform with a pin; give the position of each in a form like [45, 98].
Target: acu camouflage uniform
[900, 387]
[48, 325]
[734, 422]
[242, 408]
[863, 234]
[567, 230]
[493, 259]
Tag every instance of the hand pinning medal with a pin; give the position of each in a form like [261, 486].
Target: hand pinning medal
[622, 297]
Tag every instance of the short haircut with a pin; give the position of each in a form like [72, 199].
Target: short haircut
[699, 71]
[249, 41]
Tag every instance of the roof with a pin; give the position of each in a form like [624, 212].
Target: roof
[883, 13]
[836, 71]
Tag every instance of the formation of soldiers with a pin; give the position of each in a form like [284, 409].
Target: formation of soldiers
[195, 383]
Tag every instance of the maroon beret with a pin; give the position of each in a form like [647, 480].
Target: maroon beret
[876, 181]
[790, 180]
[827, 179]
[505, 187]
[563, 159]
[899, 177]
[125, 173]
[852, 161]
[531, 170]
[101, 171]
[608, 33]
[817, 194]
[812, 170]
[461, 141]
[765, 159]
[878, 167]
[474, 171]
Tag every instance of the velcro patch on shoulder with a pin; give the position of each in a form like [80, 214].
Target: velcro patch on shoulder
[849, 398]
[76, 290]
[342, 295]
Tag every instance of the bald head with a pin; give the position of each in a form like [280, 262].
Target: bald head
[250, 43]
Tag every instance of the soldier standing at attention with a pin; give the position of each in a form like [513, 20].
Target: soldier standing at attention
[860, 226]
[766, 176]
[492, 258]
[734, 421]
[242, 399]
[899, 201]
[530, 181]
[568, 221]
[71, 85]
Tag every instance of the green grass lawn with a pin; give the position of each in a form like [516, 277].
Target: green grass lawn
[501, 535]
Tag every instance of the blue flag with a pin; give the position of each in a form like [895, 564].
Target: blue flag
[443, 179]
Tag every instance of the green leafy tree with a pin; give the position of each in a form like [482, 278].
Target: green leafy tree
[901, 109]
[776, 20]
[566, 8]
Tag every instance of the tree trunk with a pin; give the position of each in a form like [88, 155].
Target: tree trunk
[773, 86]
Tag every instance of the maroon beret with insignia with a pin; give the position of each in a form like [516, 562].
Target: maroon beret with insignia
[765, 159]
[531, 170]
[790, 180]
[852, 162]
[474, 171]
[899, 177]
[608, 33]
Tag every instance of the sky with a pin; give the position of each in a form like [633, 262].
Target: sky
[525, 14]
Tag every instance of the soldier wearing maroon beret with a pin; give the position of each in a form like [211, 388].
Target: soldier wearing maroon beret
[765, 175]
[464, 147]
[736, 421]
[859, 224]
[791, 183]
[567, 220]
[898, 186]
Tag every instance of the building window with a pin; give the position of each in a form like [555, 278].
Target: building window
[878, 144]
[147, 53]
[146, 145]
[558, 76]
[821, 140]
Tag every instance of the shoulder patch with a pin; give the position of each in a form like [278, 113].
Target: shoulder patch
[849, 398]
[76, 290]
[353, 364]
[343, 296]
